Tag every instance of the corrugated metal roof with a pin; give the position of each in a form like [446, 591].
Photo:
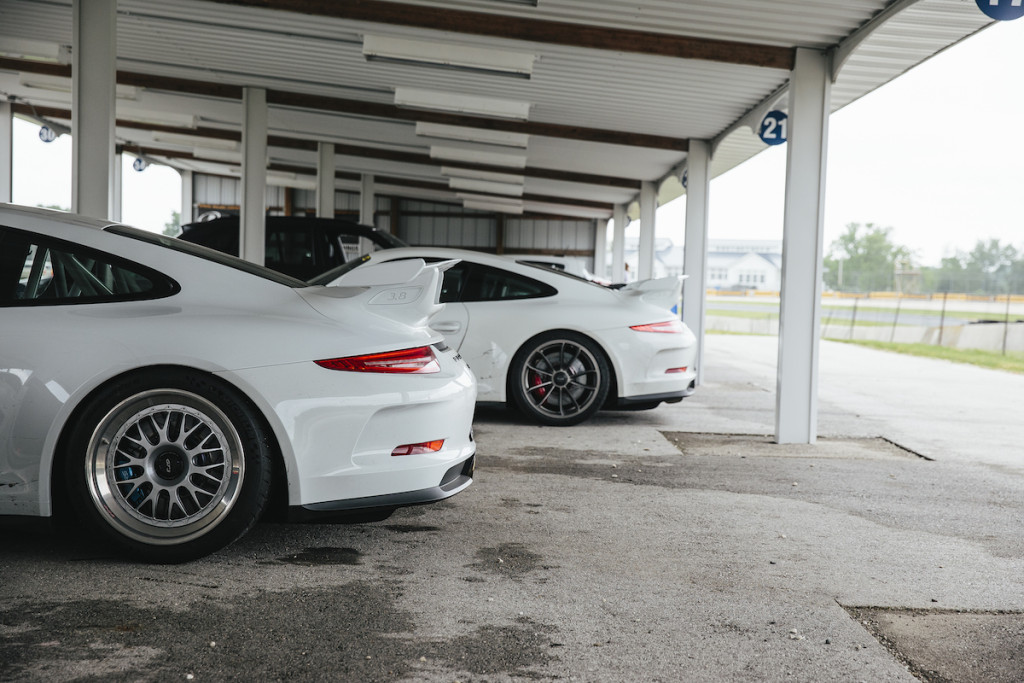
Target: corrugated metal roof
[610, 90]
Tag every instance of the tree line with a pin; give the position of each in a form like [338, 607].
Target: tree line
[865, 259]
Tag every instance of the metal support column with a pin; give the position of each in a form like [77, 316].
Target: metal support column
[187, 201]
[600, 247]
[253, 224]
[695, 255]
[618, 273]
[648, 209]
[325, 180]
[6, 152]
[367, 200]
[117, 185]
[93, 93]
[796, 398]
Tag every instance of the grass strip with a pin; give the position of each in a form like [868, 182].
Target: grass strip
[994, 360]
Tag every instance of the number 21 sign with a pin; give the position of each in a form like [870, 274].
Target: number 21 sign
[773, 128]
[1002, 10]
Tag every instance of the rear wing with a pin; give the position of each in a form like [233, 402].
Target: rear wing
[408, 290]
[663, 292]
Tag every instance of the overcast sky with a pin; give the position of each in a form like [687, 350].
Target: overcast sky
[937, 155]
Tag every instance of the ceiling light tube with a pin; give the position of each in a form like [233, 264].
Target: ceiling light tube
[487, 186]
[195, 140]
[454, 172]
[476, 156]
[491, 137]
[217, 155]
[490, 206]
[447, 55]
[507, 201]
[461, 103]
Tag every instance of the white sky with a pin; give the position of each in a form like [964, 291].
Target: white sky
[937, 155]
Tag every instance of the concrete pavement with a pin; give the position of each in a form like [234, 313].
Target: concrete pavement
[677, 544]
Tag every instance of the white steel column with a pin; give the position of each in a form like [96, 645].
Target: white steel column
[325, 180]
[253, 224]
[648, 210]
[93, 92]
[796, 397]
[117, 185]
[187, 210]
[6, 151]
[367, 200]
[695, 255]
[618, 273]
[600, 247]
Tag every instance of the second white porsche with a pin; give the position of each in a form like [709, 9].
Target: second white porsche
[558, 347]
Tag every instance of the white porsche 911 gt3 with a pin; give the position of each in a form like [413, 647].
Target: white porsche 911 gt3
[162, 391]
[557, 346]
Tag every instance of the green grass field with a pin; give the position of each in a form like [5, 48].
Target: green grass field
[1011, 362]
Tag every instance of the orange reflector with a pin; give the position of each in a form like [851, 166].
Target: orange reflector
[670, 370]
[417, 448]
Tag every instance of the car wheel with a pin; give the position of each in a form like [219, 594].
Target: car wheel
[560, 378]
[171, 466]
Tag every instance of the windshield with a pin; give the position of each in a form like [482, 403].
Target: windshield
[205, 253]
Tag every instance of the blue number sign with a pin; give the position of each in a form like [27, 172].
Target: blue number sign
[47, 134]
[1002, 10]
[139, 164]
[686, 178]
[773, 128]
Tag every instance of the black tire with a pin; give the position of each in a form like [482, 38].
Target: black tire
[559, 378]
[170, 465]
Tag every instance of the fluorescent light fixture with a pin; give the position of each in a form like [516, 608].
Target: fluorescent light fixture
[525, 3]
[474, 197]
[197, 141]
[39, 49]
[567, 210]
[490, 137]
[61, 84]
[464, 104]
[217, 155]
[447, 55]
[452, 172]
[476, 156]
[485, 186]
[482, 205]
[163, 118]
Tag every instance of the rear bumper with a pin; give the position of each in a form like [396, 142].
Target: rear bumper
[455, 480]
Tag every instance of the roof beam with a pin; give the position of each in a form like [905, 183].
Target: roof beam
[536, 30]
[350, 150]
[372, 109]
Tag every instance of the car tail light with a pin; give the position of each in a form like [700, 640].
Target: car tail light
[669, 326]
[420, 360]
[417, 448]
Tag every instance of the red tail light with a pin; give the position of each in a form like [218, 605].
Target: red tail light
[420, 360]
[417, 448]
[669, 326]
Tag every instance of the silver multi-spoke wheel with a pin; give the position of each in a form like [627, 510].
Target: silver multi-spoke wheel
[165, 466]
[561, 379]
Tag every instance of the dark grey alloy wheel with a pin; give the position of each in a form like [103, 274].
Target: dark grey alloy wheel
[560, 378]
[172, 469]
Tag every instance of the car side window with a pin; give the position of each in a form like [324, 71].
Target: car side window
[35, 270]
[484, 283]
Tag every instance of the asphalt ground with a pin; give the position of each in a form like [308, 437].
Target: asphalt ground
[678, 544]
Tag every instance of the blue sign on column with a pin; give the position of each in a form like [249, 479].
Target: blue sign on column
[139, 164]
[47, 134]
[1002, 10]
[773, 128]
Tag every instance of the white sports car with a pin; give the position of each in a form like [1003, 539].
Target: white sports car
[557, 346]
[169, 394]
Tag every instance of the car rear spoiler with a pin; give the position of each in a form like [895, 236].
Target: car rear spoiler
[408, 290]
[663, 292]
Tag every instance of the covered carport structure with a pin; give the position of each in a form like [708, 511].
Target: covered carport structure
[574, 108]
